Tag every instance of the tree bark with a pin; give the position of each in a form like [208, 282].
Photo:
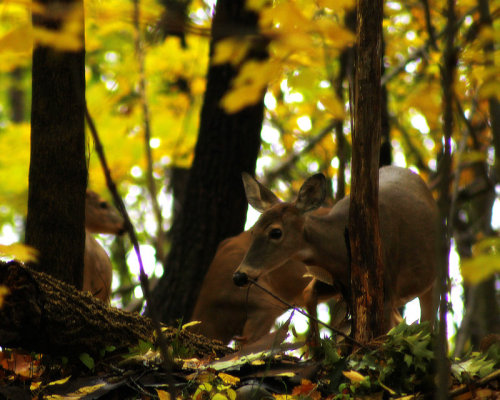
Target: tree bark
[215, 206]
[45, 315]
[364, 235]
[444, 199]
[58, 169]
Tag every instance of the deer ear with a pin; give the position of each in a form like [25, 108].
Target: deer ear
[258, 196]
[311, 194]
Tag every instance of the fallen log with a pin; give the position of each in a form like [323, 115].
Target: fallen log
[42, 314]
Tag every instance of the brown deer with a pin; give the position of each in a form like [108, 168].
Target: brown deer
[228, 312]
[408, 227]
[100, 217]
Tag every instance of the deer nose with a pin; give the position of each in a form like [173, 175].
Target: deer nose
[240, 278]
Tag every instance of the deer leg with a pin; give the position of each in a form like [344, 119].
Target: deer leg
[310, 296]
[427, 306]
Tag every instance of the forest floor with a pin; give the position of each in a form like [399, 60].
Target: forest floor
[399, 365]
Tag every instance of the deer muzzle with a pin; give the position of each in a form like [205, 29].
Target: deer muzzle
[240, 278]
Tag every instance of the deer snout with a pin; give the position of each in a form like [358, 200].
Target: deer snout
[240, 278]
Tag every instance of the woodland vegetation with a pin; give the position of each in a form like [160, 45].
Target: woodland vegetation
[160, 105]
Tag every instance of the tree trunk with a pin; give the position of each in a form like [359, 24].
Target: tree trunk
[215, 206]
[58, 169]
[444, 199]
[364, 235]
[45, 315]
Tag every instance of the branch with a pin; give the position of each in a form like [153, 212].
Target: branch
[429, 26]
[420, 52]
[338, 332]
[271, 175]
[168, 362]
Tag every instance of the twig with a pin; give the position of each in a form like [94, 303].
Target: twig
[428, 23]
[167, 361]
[413, 149]
[271, 175]
[307, 315]
[420, 52]
[465, 388]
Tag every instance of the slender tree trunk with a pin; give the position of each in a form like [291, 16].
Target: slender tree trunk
[58, 170]
[444, 199]
[214, 206]
[364, 235]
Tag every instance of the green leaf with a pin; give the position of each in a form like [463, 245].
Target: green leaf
[408, 359]
[86, 359]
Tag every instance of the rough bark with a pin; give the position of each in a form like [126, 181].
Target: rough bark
[45, 315]
[385, 156]
[58, 169]
[364, 235]
[215, 206]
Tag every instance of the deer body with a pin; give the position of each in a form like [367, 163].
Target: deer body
[100, 217]
[408, 227]
[226, 311]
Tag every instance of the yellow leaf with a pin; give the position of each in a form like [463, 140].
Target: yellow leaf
[192, 323]
[479, 268]
[19, 251]
[490, 90]
[35, 385]
[256, 5]
[392, 392]
[60, 381]
[18, 40]
[336, 5]
[230, 51]
[69, 37]
[338, 36]
[163, 395]
[354, 376]
[229, 379]
[249, 85]
[219, 396]
[333, 106]
[239, 98]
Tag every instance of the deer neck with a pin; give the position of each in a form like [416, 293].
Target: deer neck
[326, 247]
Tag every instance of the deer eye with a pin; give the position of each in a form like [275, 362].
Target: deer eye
[103, 204]
[275, 233]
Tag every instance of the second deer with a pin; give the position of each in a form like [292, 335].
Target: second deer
[228, 312]
[100, 217]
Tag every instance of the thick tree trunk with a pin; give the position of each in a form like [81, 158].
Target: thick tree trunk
[214, 207]
[45, 315]
[364, 235]
[58, 169]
